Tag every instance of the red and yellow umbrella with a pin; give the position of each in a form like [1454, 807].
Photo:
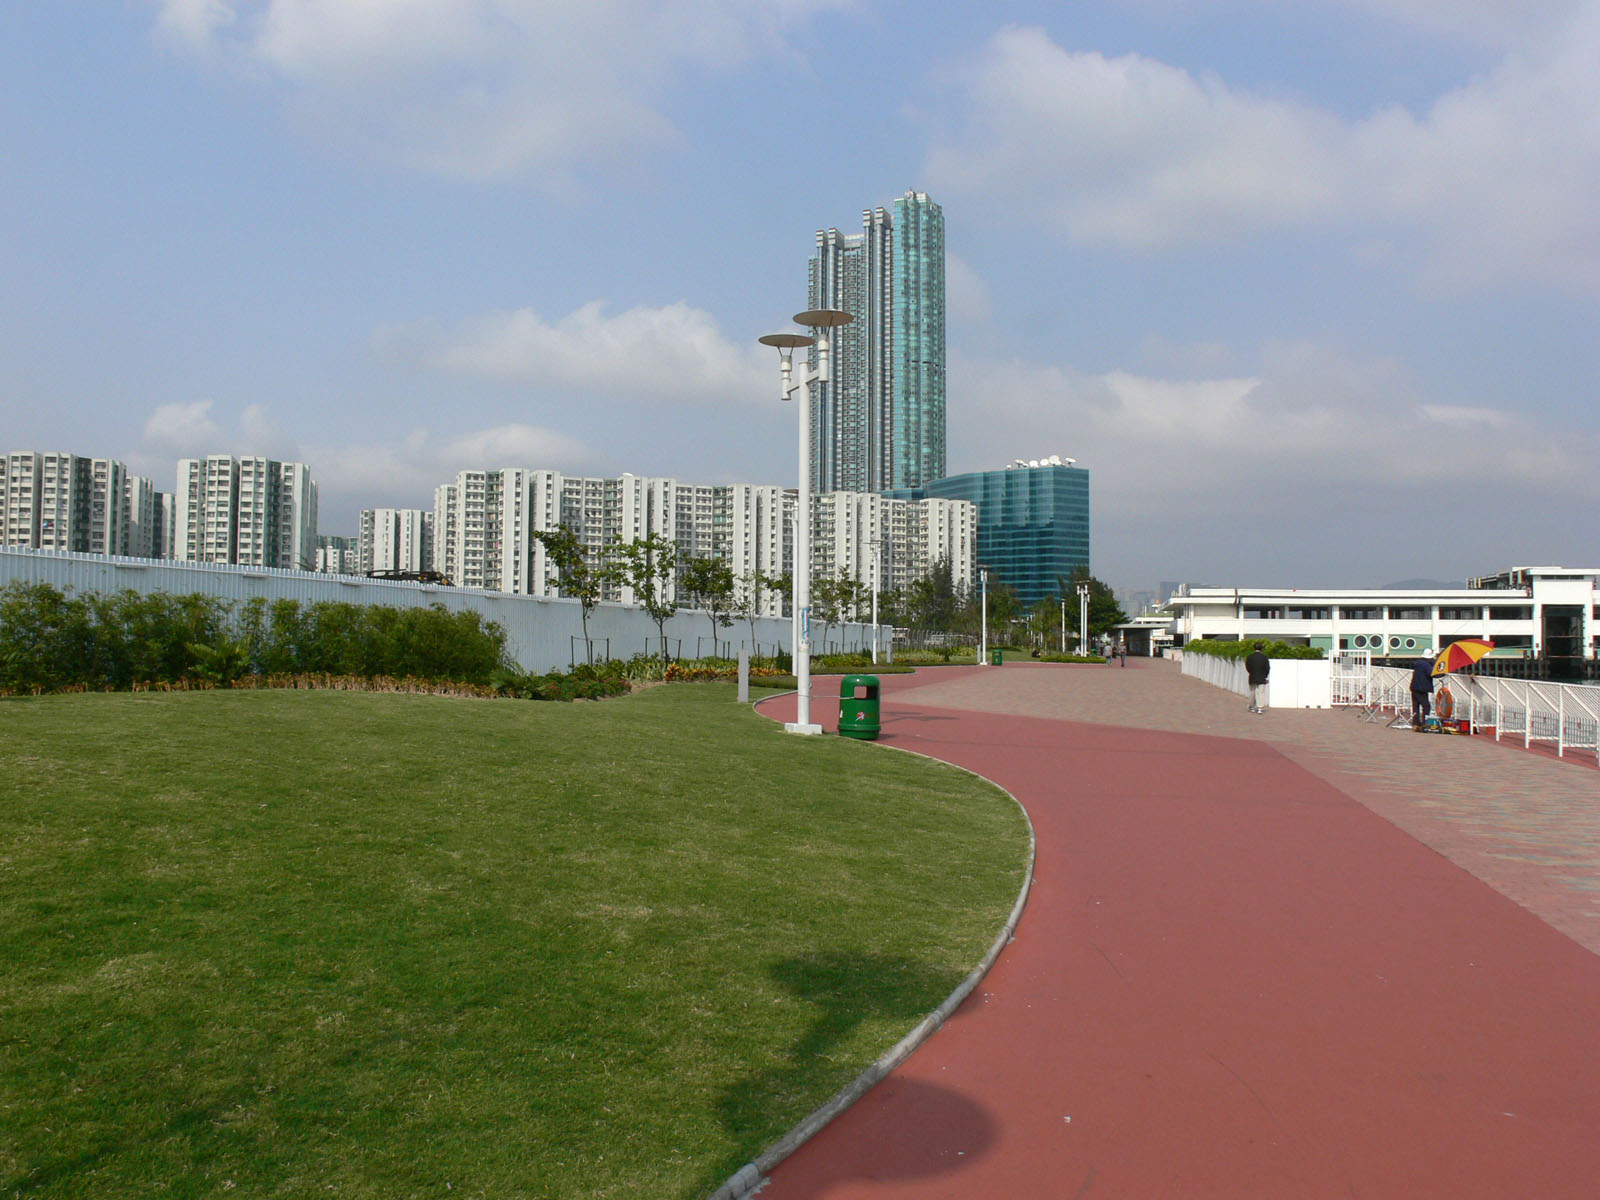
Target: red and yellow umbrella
[1461, 654]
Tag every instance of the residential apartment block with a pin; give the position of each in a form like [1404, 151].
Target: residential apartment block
[394, 539]
[879, 423]
[484, 523]
[68, 502]
[893, 541]
[250, 511]
[338, 555]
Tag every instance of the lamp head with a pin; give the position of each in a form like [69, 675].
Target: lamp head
[823, 318]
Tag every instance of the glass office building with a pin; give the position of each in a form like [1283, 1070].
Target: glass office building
[1033, 522]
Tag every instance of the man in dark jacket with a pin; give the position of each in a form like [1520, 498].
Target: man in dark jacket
[1421, 692]
[1258, 666]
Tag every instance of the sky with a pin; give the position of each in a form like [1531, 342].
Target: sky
[1311, 287]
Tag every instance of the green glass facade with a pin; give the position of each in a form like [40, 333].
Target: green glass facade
[880, 422]
[916, 415]
[1033, 523]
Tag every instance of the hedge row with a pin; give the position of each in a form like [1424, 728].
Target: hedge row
[52, 641]
[1234, 650]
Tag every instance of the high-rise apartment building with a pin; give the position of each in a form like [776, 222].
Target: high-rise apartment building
[917, 441]
[749, 527]
[394, 539]
[868, 537]
[879, 423]
[338, 554]
[69, 502]
[249, 511]
[141, 518]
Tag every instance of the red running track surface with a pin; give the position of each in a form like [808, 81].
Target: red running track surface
[1231, 980]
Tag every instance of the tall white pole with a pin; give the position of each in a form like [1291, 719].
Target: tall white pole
[1083, 619]
[802, 548]
[877, 553]
[983, 619]
[1063, 624]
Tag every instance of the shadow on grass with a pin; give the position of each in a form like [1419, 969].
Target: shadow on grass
[846, 989]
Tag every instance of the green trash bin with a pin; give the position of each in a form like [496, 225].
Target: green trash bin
[994, 658]
[858, 707]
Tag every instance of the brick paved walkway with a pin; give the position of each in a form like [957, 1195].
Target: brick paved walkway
[1524, 822]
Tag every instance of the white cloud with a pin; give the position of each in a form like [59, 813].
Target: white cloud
[1494, 182]
[967, 297]
[483, 88]
[1314, 436]
[670, 354]
[182, 431]
[405, 472]
[193, 26]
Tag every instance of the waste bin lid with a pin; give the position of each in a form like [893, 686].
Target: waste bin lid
[849, 684]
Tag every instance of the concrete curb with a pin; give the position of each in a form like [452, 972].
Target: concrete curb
[749, 1178]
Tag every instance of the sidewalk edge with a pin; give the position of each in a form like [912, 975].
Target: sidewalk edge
[749, 1178]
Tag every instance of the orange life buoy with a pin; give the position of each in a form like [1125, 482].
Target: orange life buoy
[1446, 704]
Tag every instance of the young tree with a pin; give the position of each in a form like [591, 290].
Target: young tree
[933, 601]
[645, 565]
[1104, 611]
[581, 580]
[783, 584]
[1003, 606]
[748, 600]
[1045, 621]
[825, 603]
[709, 584]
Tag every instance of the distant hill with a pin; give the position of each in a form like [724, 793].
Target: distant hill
[1426, 585]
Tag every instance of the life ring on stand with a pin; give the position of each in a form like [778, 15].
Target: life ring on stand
[1445, 705]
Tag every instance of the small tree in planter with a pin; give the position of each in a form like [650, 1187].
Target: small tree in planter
[645, 566]
[709, 583]
[581, 580]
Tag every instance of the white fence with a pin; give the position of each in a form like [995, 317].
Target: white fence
[1293, 682]
[1564, 714]
[541, 634]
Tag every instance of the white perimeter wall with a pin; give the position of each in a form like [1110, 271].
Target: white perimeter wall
[1292, 683]
[539, 631]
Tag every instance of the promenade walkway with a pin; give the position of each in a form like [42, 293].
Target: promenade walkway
[1285, 955]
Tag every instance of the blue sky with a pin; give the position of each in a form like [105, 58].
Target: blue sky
[1310, 286]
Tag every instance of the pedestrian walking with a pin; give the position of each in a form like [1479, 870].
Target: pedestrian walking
[1257, 667]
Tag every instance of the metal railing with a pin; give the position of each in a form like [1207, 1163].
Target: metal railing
[1350, 677]
[1566, 715]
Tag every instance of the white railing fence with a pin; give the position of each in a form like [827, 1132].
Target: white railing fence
[1564, 714]
[1350, 676]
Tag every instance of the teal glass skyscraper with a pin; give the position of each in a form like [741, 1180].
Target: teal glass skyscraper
[1033, 522]
[879, 423]
[916, 414]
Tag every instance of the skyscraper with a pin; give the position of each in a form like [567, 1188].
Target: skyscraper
[879, 423]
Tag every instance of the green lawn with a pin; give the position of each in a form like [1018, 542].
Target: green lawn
[285, 943]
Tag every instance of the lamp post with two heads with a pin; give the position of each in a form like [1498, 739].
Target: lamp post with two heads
[819, 321]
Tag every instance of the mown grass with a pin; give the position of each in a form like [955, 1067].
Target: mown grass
[277, 944]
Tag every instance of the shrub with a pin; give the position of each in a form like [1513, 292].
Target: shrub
[50, 641]
[1236, 650]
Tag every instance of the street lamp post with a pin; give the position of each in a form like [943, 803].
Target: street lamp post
[1063, 624]
[983, 618]
[1083, 619]
[819, 321]
[877, 559]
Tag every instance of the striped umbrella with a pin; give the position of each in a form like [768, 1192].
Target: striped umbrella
[1460, 654]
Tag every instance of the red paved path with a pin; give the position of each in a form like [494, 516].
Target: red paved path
[1231, 980]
